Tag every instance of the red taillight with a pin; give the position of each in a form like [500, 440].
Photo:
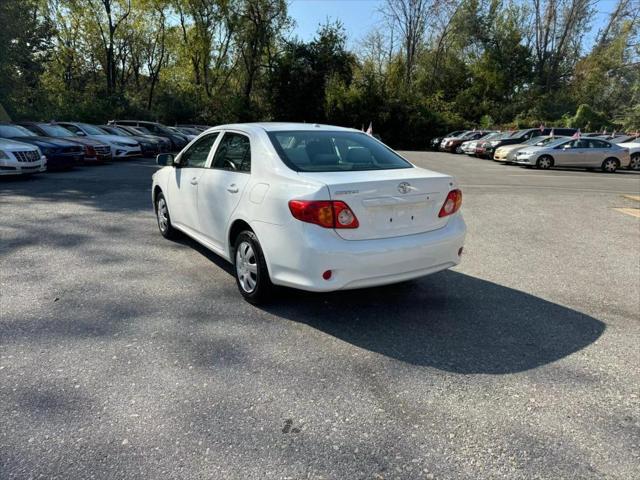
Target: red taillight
[326, 213]
[451, 204]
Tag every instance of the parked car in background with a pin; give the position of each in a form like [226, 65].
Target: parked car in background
[469, 146]
[313, 207]
[435, 142]
[455, 144]
[178, 140]
[95, 151]
[507, 153]
[521, 136]
[17, 158]
[484, 148]
[580, 153]
[122, 147]
[149, 146]
[187, 132]
[165, 143]
[200, 128]
[632, 143]
[61, 154]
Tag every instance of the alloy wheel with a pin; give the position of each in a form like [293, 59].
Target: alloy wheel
[246, 267]
[635, 162]
[610, 165]
[163, 215]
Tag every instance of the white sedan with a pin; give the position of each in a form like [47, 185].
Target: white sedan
[121, 147]
[17, 158]
[313, 207]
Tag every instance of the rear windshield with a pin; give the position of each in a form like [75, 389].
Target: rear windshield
[311, 151]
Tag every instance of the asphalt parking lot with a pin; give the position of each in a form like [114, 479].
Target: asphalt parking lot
[124, 355]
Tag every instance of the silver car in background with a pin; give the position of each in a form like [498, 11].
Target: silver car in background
[576, 152]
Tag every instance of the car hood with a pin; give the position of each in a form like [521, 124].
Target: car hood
[116, 138]
[508, 148]
[13, 145]
[45, 141]
[85, 141]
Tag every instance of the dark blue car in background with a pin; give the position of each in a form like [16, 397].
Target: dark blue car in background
[61, 154]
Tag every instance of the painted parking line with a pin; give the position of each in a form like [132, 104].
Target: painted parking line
[633, 197]
[634, 212]
[568, 176]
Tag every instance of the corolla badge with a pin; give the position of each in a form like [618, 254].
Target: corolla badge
[404, 187]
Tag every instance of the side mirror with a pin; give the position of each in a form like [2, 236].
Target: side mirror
[165, 159]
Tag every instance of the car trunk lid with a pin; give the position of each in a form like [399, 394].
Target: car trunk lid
[388, 203]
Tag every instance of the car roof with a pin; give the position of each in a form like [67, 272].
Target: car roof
[283, 127]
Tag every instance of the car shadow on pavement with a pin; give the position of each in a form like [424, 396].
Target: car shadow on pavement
[449, 321]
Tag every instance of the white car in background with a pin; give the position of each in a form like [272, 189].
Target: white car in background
[17, 158]
[507, 153]
[313, 207]
[631, 143]
[121, 146]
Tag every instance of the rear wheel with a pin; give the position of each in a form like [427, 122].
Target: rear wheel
[545, 162]
[252, 275]
[635, 162]
[458, 149]
[610, 165]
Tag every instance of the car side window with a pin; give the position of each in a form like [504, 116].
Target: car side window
[196, 155]
[598, 144]
[233, 153]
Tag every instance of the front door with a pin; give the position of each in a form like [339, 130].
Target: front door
[221, 186]
[183, 183]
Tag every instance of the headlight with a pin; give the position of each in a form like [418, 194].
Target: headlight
[3, 155]
[494, 143]
[523, 154]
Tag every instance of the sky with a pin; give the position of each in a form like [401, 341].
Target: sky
[360, 16]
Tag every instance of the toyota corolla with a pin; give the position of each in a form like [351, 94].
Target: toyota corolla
[313, 207]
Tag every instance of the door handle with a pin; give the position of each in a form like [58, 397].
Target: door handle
[194, 181]
[233, 188]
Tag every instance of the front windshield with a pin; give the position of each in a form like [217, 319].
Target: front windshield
[557, 141]
[334, 151]
[91, 130]
[520, 133]
[141, 130]
[116, 131]
[15, 131]
[56, 131]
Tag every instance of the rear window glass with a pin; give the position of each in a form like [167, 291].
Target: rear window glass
[311, 151]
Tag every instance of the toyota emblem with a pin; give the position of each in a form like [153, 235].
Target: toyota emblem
[404, 187]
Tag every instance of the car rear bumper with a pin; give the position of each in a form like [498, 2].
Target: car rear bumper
[360, 263]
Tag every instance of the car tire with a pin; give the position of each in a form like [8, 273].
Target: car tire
[610, 165]
[163, 218]
[545, 162]
[635, 162]
[458, 150]
[250, 268]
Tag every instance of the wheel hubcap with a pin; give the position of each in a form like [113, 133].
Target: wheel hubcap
[163, 215]
[610, 166]
[545, 163]
[246, 267]
[635, 163]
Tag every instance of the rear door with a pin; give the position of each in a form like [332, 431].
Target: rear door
[222, 185]
[388, 203]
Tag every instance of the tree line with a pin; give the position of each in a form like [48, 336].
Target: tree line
[430, 66]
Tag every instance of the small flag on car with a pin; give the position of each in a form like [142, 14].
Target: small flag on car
[577, 134]
[370, 129]
[553, 133]
[541, 127]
